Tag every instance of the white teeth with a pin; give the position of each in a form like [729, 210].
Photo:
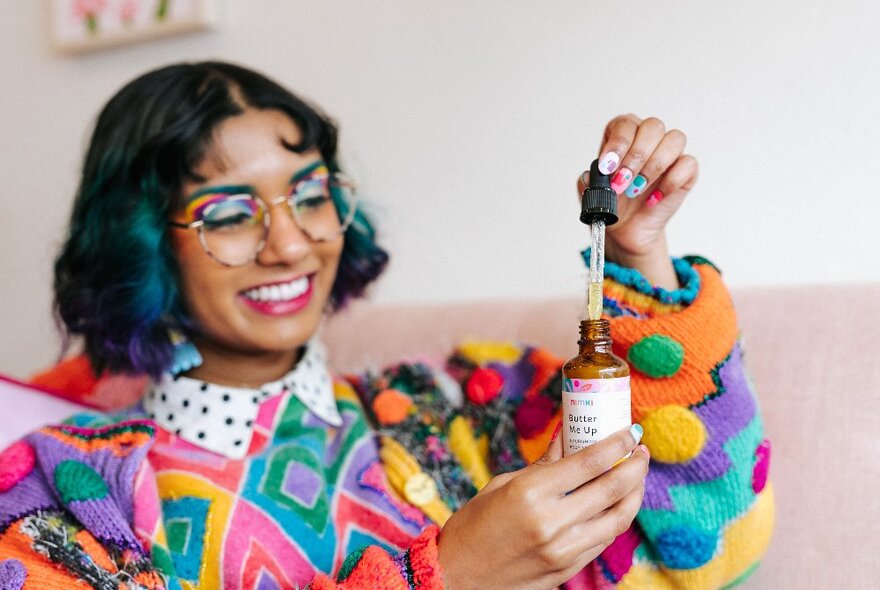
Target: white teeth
[283, 292]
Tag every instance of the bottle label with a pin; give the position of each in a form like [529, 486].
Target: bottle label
[593, 409]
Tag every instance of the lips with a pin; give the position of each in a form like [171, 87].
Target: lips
[279, 298]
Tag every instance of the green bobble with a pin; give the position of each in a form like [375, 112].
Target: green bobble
[75, 480]
[656, 356]
[350, 563]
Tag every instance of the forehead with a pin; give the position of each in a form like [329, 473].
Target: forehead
[251, 145]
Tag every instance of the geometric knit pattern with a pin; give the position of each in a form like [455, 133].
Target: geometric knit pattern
[304, 497]
[357, 506]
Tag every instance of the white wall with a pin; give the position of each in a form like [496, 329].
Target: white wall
[467, 122]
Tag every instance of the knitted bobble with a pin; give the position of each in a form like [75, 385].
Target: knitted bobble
[484, 386]
[12, 575]
[350, 563]
[482, 353]
[464, 446]
[75, 480]
[685, 547]
[656, 356]
[532, 416]
[673, 434]
[424, 561]
[391, 407]
[16, 461]
[762, 466]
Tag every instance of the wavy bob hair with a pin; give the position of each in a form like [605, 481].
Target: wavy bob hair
[116, 277]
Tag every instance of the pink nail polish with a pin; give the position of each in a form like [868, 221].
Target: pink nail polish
[655, 198]
[609, 163]
[621, 180]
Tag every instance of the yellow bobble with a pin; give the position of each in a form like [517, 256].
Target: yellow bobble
[673, 434]
[464, 446]
[482, 353]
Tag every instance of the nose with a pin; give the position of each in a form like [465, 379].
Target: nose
[285, 243]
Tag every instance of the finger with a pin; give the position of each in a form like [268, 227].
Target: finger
[575, 470]
[608, 489]
[665, 155]
[619, 135]
[611, 523]
[554, 449]
[675, 183]
[648, 137]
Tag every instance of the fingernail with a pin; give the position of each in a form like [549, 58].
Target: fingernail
[609, 163]
[556, 431]
[621, 179]
[636, 431]
[654, 198]
[645, 450]
[638, 185]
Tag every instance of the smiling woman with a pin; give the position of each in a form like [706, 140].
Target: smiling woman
[212, 232]
[215, 124]
[253, 307]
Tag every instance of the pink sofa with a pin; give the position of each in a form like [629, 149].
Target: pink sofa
[815, 357]
[814, 354]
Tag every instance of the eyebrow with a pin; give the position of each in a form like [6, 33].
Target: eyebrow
[232, 189]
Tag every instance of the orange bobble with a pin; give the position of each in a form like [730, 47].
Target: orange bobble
[391, 407]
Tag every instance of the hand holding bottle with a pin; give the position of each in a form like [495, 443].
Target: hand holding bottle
[525, 530]
[652, 175]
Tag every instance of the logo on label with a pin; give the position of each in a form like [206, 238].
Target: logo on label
[581, 402]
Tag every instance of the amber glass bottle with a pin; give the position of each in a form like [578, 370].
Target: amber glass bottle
[595, 389]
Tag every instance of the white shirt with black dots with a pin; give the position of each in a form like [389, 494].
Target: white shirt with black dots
[221, 418]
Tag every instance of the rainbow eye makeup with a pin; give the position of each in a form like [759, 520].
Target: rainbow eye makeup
[230, 212]
[219, 205]
[201, 204]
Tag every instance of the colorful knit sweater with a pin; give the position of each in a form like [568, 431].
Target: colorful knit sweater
[114, 500]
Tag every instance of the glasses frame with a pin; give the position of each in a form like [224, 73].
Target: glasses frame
[337, 180]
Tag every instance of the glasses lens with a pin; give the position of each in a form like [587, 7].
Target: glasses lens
[323, 206]
[233, 229]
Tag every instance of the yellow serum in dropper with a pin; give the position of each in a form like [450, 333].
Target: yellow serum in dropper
[594, 301]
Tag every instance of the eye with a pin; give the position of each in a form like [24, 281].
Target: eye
[231, 213]
[311, 194]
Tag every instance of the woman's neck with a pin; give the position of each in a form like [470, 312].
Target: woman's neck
[224, 366]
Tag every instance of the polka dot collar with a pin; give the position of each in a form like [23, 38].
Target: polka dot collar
[221, 418]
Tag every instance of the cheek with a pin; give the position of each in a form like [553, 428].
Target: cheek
[330, 255]
[201, 279]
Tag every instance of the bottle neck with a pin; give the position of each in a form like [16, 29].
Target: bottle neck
[595, 336]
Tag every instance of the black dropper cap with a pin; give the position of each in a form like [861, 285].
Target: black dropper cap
[599, 200]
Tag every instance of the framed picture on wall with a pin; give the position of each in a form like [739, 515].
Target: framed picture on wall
[85, 25]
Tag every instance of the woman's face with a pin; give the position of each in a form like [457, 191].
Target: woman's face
[226, 301]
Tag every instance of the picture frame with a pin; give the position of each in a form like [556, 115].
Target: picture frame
[87, 25]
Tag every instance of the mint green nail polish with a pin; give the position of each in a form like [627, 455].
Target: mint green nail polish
[637, 187]
[636, 431]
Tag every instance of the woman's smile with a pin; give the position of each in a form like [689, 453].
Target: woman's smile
[280, 298]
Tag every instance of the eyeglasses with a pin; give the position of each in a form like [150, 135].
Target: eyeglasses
[233, 225]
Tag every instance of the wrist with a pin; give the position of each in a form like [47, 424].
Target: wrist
[654, 262]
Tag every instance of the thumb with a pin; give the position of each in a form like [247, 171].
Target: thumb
[554, 449]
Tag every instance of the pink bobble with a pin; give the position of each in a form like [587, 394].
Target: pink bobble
[16, 461]
[533, 415]
[762, 466]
